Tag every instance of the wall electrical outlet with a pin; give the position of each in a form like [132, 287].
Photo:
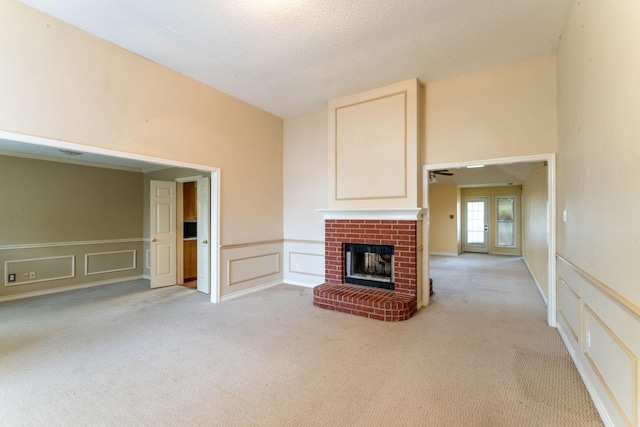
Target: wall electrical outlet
[25, 276]
[32, 275]
[12, 277]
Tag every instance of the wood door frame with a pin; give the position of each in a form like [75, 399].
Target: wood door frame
[550, 158]
[180, 219]
[181, 182]
[212, 171]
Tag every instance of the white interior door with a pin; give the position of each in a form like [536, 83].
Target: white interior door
[204, 236]
[163, 233]
[476, 220]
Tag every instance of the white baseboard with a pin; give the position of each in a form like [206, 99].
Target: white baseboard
[67, 288]
[301, 284]
[249, 291]
[544, 298]
[585, 379]
[444, 253]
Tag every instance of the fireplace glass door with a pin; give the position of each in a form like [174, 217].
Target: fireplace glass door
[369, 265]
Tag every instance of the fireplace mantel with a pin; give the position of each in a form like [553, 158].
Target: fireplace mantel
[374, 214]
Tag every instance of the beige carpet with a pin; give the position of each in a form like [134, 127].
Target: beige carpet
[125, 355]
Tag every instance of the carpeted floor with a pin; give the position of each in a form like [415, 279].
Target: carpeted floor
[480, 355]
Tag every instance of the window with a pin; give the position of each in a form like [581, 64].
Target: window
[506, 232]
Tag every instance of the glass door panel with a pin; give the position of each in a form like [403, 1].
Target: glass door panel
[506, 236]
[476, 225]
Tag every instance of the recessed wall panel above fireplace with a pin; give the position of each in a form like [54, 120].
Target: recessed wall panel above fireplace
[374, 149]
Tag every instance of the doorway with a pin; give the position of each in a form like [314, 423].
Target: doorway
[476, 224]
[210, 172]
[549, 162]
[194, 227]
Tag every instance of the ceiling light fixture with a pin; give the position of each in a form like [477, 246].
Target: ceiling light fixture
[432, 178]
[475, 166]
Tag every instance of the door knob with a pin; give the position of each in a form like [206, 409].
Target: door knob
[153, 240]
[205, 242]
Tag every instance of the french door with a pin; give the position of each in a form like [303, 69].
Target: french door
[476, 224]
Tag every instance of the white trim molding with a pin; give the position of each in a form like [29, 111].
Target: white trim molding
[60, 244]
[374, 214]
[71, 274]
[87, 257]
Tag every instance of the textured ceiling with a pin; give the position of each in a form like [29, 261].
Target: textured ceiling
[490, 175]
[289, 57]
[43, 152]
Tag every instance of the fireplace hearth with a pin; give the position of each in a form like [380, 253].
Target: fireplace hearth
[371, 268]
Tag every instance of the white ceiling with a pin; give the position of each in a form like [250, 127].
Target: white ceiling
[49, 153]
[490, 175]
[289, 57]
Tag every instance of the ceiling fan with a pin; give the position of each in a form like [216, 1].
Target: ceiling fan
[432, 175]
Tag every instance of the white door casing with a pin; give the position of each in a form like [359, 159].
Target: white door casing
[163, 233]
[204, 236]
[550, 158]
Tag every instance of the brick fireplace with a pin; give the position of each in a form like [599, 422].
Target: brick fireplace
[382, 304]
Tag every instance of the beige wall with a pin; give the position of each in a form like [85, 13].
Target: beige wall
[61, 83]
[599, 107]
[70, 224]
[305, 176]
[83, 90]
[369, 131]
[504, 112]
[535, 248]
[598, 157]
[305, 191]
[443, 230]
[491, 193]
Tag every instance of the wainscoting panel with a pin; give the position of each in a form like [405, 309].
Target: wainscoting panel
[304, 262]
[602, 347]
[67, 265]
[254, 267]
[601, 330]
[109, 262]
[42, 269]
[569, 306]
[248, 266]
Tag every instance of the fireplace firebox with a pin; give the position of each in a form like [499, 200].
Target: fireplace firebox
[369, 265]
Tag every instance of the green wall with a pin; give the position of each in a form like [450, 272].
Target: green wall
[71, 224]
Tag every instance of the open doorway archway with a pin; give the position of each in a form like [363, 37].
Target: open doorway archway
[212, 171]
[550, 222]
